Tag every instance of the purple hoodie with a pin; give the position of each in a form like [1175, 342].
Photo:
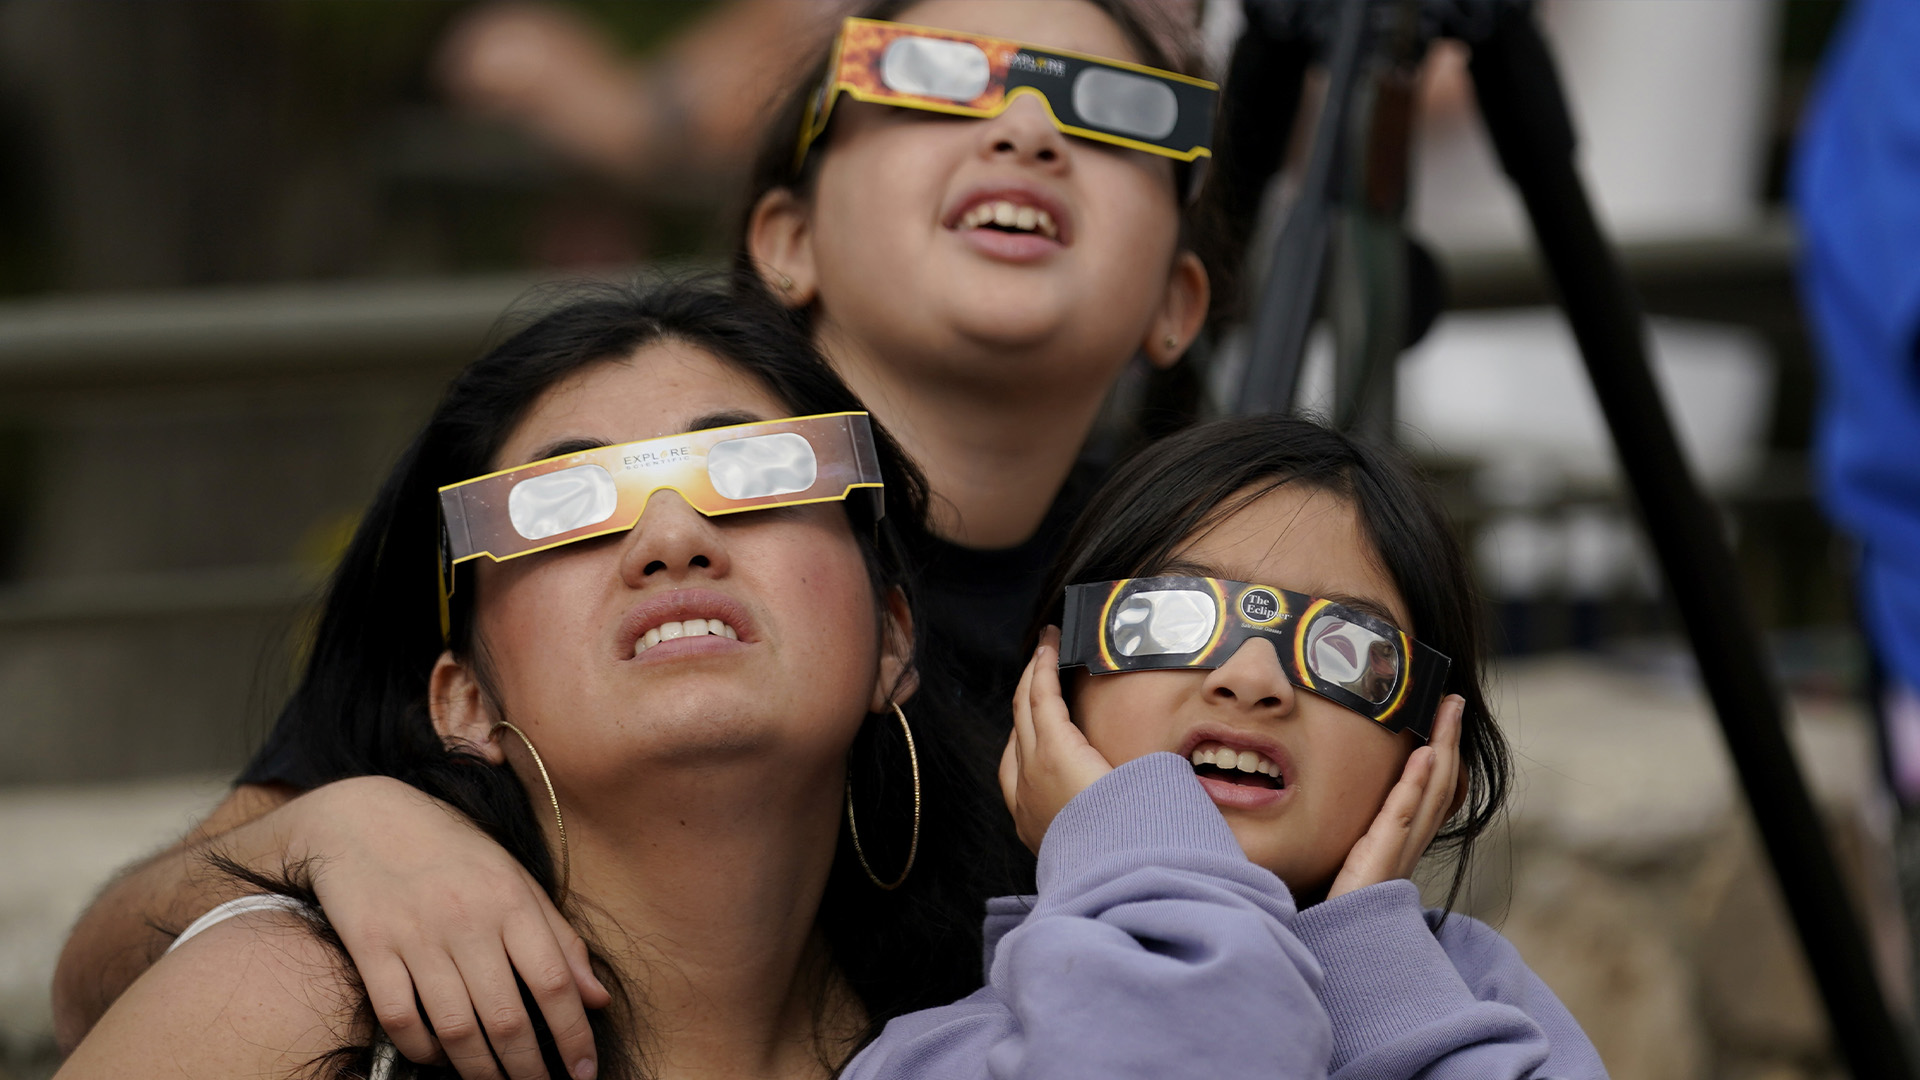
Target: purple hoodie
[1155, 949]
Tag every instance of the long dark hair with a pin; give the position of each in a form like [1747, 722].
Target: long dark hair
[1172, 396]
[361, 708]
[1166, 494]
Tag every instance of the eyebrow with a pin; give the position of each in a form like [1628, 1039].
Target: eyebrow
[578, 444]
[1362, 604]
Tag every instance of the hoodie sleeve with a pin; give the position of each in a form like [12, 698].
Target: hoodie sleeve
[1460, 1005]
[1154, 949]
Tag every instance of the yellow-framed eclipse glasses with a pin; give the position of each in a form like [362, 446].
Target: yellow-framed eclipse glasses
[947, 71]
[1176, 622]
[723, 470]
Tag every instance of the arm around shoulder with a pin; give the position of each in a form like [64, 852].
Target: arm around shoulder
[258, 995]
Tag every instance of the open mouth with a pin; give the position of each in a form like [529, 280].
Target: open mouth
[1243, 767]
[1001, 215]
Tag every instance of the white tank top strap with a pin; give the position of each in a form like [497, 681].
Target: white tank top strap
[239, 905]
[385, 1057]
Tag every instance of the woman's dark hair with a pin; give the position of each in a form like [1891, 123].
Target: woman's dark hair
[361, 707]
[1160, 38]
[1158, 500]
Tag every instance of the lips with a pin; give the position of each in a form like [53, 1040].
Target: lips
[1013, 211]
[665, 624]
[1238, 769]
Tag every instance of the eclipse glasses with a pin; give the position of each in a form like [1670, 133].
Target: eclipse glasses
[946, 71]
[1170, 623]
[723, 470]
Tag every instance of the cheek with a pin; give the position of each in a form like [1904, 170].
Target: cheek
[1129, 716]
[874, 198]
[536, 621]
[815, 586]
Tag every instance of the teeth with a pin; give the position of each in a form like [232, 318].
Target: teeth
[671, 631]
[1009, 216]
[1246, 761]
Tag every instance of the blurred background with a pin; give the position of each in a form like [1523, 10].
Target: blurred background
[242, 245]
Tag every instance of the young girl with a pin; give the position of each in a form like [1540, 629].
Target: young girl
[1259, 615]
[989, 345]
[988, 352]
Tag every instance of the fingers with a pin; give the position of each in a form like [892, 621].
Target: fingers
[502, 1016]
[1010, 773]
[1048, 707]
[444, 998]
[544, 966]
[593, 994]
[1444, 775]
[390, 993]
[1023, 731]
[1379, 854]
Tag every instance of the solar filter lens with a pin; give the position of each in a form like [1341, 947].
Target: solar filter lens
[1125, 103]
[1162, 622]
[762, 465]
[935, 67]
[562, 501]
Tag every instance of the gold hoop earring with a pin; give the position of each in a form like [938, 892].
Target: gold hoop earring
[559, 823]
[913, 846]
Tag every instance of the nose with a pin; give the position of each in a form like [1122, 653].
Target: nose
[1025, 134]
[1251, 680]
[671, 541]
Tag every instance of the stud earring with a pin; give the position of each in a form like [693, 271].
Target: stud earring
[1170, 342]
[786, 283]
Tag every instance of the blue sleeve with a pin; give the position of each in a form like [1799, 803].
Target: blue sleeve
[1856, 191]
[1459, 1005]
[1154, 949]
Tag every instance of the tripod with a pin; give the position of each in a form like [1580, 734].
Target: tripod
[1526, 115]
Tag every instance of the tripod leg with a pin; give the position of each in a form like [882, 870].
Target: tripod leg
[1527, 117]
[1292, 287]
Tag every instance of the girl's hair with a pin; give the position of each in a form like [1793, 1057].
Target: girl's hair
[1162, 497]
[361, 707]
[1160, 39]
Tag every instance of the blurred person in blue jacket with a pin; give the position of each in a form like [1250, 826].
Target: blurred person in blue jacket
[1857, 190]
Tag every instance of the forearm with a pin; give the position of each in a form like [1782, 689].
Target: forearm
[1402, 1004]
[1152, 938]
[133, 920]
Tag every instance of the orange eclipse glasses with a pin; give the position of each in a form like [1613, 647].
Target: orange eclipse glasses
[723, 470]
[947, 71]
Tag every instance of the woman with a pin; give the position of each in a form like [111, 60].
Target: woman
[683, 800]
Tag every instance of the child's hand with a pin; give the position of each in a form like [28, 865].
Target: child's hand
[1414, 811]
[427, 904]
[1047, 761]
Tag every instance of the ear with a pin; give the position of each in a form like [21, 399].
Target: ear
[780, 239]
[897, 678]
[1182, 309]
[461, 713]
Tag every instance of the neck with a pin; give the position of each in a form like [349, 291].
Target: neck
[708, 910]
[994, 454]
